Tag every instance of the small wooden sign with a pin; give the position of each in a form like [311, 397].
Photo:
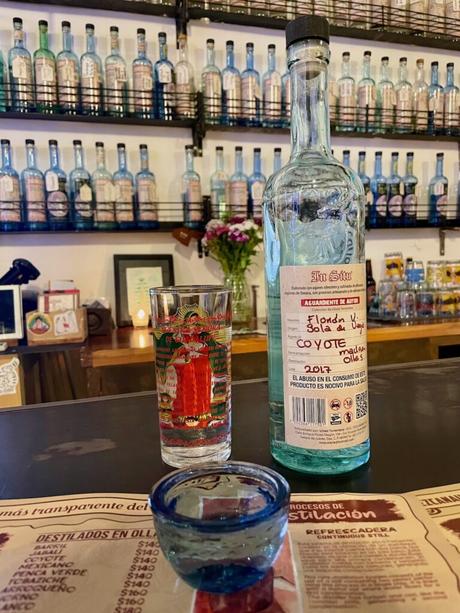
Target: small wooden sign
[10, 382]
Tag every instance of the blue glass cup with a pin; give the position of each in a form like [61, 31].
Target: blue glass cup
[221, 526]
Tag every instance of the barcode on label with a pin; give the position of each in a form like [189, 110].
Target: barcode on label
[308, 410]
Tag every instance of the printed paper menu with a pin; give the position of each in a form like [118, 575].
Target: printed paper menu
[345, 552]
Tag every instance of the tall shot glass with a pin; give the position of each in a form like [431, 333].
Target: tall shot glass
[192, 328]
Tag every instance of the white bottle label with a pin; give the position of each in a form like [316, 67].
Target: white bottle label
[324, 340]
[164, 74]
[103, 193]
[395, 206]
[58, 204]
[142, 78]
[10, 209]
[251, 97]
[272, 96]
[212, 93]
[366, 97]
[91, 80]
[124, 200]
[35, 199]
[193, 200]
[183, 76]
[239, 194]
[51, 181]
[22, 69]
[438, 189]
[45, 80]
[147, 200]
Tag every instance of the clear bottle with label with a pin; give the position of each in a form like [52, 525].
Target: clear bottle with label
[123, 182]
[250, 90]
[276, 159]
[3, 85]
[437, 194]
[191, 193]
[57, 200]
[360, 14]
[286, 98]
[451, 103]
[20, 71]
[314, 237]
[420, 9]
[211, 86]
[103, 190]
[146, 194]
[398, 15]
[385, 99]
[379, 188]
[409, 196]
[81, 193]
[395, 199]
[45, 73]
[404, 96]
[346, 93]
[116, 78]
[271, 85]
[380, 13]
[10, 192]
[420, 100]
[239, 193]
[256, 186]
[346, 158]
[220, 195]
[231, 89]
[435, 101]
[367, 97]
[92, 79]
[185, 82]
[437, 16]
[33, 191]
[142, 95]
[68, 74]
[453, 20]
[365, 180]
[165, 82]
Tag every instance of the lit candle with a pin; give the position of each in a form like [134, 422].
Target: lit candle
[140, 319]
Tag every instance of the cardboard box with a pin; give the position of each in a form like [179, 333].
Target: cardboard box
[66, 326]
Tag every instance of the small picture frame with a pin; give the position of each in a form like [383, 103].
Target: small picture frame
[11, 323]
[134, 276]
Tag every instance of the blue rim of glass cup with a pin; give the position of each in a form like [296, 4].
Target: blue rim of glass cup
[161, 509]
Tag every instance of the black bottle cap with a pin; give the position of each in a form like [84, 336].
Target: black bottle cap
[30, 141]
[346, 54]
[394, 154]
[43, 22]
[140, 30]
[307, 26]
[410, 153]
[65, 24]
[210, 41]
[161, 34]
[5, 141]
[76, 142]
[345, 151]
[114, 28]
[361, 153]
[120, 145]
[440, 155]
[52, 142]
[99, 144]
[435, 63]
[367, 53]
[17, 20]
[271, 46]
[450, 64]
[230, 42]
[220, 148]
[257, 150]
[188, 147]
[385, 58]
[89, 26]
[378, 153]
[403, 59]
[238, 148]
[143, 146]
[249, 45]
[277, 149]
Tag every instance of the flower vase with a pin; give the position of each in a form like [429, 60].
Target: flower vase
[241, 300]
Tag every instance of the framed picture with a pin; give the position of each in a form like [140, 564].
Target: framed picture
[134, 276]
[10, 312]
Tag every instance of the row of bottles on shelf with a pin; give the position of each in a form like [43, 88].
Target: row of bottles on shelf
[161, 90]
[67, 84]
[52, 200]
[423, 16]
[409, 292]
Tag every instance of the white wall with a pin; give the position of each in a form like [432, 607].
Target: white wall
[89, 258]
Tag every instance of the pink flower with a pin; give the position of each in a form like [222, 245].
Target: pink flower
[238, 237]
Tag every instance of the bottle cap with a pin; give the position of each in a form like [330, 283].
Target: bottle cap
[271, 46]
[17, 20]
[420, 60]
[257, 150]
[249, 45]
[435, 63]
[394, 154]
[120, 145]
[385, 58]
[277, 149]
[403, 59]
[229, 42]
[210, 41]
[361, 153]
[450, 64]
[367, 53]
[65, 24]
[5, 141]
[89, 26]
[345, 151]
[307, 26]
[238, 148]
[162, 35]
[220, 148]
[378, 153]
[143, 146]
[188, 147]
[346, 54]
[76, 142]
[410, 153]
[114, 28]
[43, 22]
[440, 155]
[30, 141]
[52, 142]
[99, 144]
[140, 30]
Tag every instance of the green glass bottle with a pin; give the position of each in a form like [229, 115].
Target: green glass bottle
[45, 73]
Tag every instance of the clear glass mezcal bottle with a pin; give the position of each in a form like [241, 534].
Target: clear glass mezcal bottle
[315, 280]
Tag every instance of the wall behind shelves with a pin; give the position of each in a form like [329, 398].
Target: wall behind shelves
[89, 258]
